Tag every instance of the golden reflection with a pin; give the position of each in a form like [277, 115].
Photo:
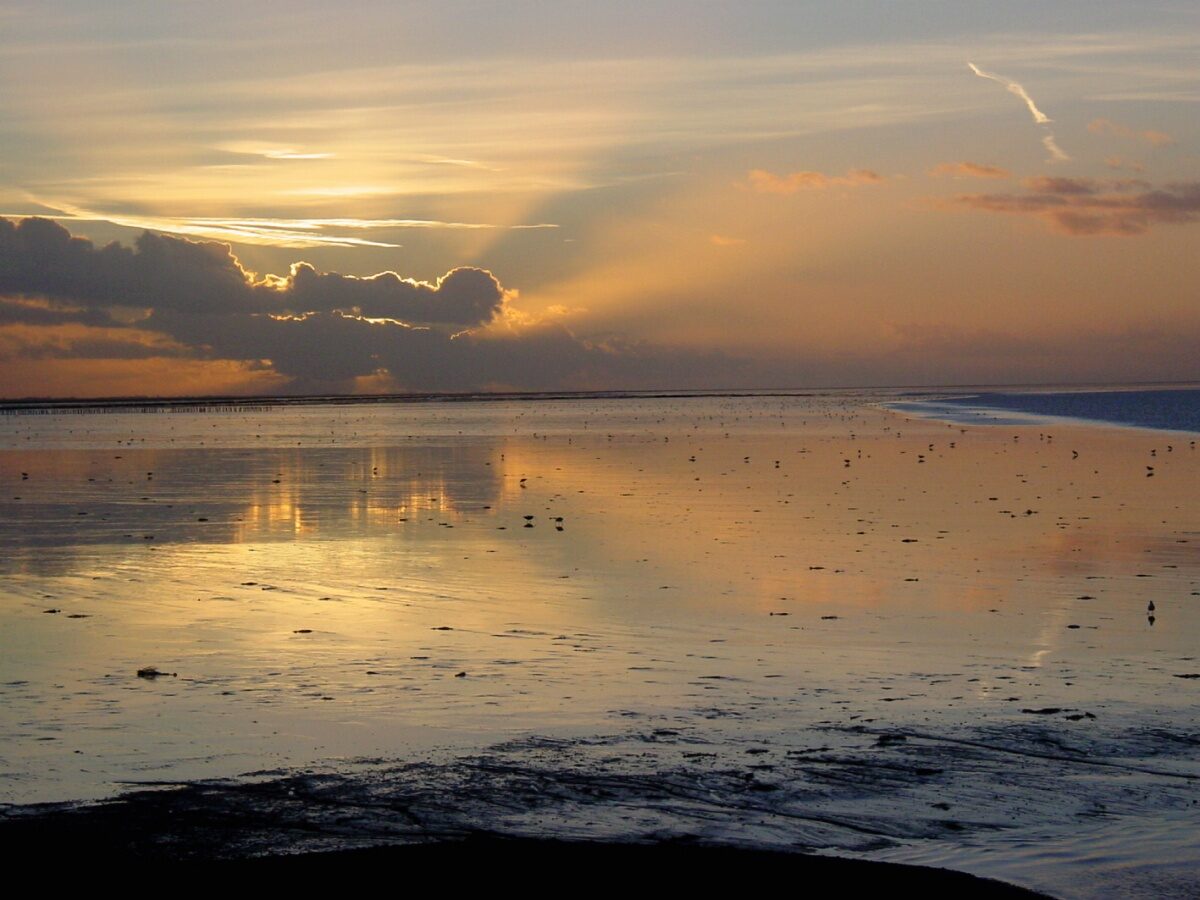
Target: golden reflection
[375, 493]
[869, 514]
[979, 523]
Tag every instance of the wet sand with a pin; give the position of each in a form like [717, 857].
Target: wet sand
[801, 623]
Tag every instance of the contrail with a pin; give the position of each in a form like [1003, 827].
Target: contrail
[1038, 116]
[1051, 145]
[1056, 152]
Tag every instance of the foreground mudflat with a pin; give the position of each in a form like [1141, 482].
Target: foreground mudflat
[802, 623]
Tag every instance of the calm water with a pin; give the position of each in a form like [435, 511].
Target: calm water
[786, 621]
[1171, 410]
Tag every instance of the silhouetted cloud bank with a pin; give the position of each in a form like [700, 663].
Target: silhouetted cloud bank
[40, 257]
[63, 297]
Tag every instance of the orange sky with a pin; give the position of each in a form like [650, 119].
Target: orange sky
[788, 195]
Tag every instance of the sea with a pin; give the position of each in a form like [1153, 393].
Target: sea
[1161, 408]
[950, 627]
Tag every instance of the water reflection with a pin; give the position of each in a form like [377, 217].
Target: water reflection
[778, 565]
[67, 503]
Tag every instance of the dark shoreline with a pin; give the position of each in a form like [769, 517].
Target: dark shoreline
[111, 840]
[667, 867]
[42, 406]
[277, 834]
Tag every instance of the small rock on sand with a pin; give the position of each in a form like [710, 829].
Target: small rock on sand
[152, 672]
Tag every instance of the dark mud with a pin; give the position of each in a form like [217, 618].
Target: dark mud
[857, 790]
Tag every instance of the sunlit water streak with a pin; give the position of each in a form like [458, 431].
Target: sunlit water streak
[965, 671]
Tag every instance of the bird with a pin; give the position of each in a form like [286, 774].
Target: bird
[1150, 606]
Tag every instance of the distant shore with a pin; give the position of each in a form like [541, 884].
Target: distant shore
[259, 402]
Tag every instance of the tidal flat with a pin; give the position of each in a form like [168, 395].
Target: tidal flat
[803, 622]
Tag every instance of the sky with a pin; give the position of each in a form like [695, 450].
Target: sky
[261, 197]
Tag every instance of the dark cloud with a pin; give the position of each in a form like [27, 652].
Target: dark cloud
[15, 310]
[40, 340]
[1084, 206]
[1050, 184]
[462, 297]
[40, 258]
[171, 297]
[324, 351]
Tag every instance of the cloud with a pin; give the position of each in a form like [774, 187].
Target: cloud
[330, 352]
[969, 170]
[251, 148]
[119, 376]
[40, 311]
[720, 240]
[40, 258]
[23, 341]
[464, 296]
[1085, 206]
[1056, 152]
[1050, 184]
[1120, 162]
[1107, 126]
[860, 176]
[130, 309]
[277, 232]
[764, 182]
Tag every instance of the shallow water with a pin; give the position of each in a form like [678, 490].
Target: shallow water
[795, 621]
[1166, 409]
